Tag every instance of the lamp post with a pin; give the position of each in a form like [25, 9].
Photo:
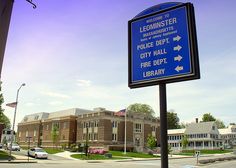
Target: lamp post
[13, 125]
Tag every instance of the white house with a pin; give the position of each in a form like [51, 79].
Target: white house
[228, 136]
[203, 135]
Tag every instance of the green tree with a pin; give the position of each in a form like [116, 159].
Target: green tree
[141, 109]
[172, 120]
[220, 124]
[208, 117]
[3, 118]
[184, 141]
[55, 134]
[151, 141]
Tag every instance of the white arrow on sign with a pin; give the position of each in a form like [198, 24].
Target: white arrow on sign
[179, 68]
[177, 38]
[177, 48]
[178, 58]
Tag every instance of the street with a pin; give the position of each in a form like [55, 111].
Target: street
[173, 163]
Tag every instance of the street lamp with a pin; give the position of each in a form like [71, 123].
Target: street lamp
[13, 125]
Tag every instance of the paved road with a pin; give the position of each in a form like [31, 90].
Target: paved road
[175, 163]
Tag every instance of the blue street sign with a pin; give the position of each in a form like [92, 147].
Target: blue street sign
[163, 47]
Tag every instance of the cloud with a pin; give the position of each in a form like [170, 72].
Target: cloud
[54, 103]
[30, 104]
[55, 94]
[85, 83]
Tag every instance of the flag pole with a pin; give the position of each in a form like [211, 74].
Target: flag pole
[125, 133]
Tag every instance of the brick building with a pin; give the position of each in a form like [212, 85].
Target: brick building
[100, 127]
[104, 128]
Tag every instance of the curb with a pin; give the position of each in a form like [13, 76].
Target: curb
[17, 161]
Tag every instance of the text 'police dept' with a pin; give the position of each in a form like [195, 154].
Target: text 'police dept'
[161, 29]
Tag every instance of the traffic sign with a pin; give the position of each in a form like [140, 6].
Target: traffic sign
[163, 47]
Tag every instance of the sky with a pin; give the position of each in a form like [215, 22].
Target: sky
[74, 54]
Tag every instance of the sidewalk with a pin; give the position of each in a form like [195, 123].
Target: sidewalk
[19, 159]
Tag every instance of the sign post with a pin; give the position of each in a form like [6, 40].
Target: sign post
[163, 49]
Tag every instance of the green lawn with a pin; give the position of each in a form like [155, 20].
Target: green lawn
[205, 152]
[4, 155]
[53, 151]
[115, 155]
[95, 157]
[132, 154]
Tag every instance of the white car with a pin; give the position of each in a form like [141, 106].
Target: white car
[38, 153]
[15, 147]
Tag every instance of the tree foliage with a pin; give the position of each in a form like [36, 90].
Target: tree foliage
[3, 118]
[151, 141]
[172, 120]
[220, 124]
[55, 134]
[208, 117]
[184, 142]
[141, 109]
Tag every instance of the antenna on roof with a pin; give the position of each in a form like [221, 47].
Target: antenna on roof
[31, 2]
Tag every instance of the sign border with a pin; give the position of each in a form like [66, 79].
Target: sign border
[192, 38]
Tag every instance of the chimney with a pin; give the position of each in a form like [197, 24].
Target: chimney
[196, 120]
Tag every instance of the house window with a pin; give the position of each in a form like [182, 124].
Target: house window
[114, 137]
[138, 128]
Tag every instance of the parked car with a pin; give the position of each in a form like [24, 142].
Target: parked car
[15, 147]
[38, 153]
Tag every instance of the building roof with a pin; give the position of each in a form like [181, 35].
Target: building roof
[57, 114]
[201, 128]
[35, 117]
[231, 129]
[68, 112]
[176, 131]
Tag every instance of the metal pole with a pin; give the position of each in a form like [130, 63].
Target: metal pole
[14, 119]
[125, 133]
[163, 119]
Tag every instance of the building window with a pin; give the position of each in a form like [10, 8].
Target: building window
[114, 124]
[138, 128]
[114, 137]
[90, 137]
[47, 127]
[137, 141]
[153, 128]
[35, 132]
[84, 136]
[26, 133]
[95, 136]
[19, 134]
[64, 125]
[96, 124]
[36, 117]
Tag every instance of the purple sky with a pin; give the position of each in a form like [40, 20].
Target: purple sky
[74, 54]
